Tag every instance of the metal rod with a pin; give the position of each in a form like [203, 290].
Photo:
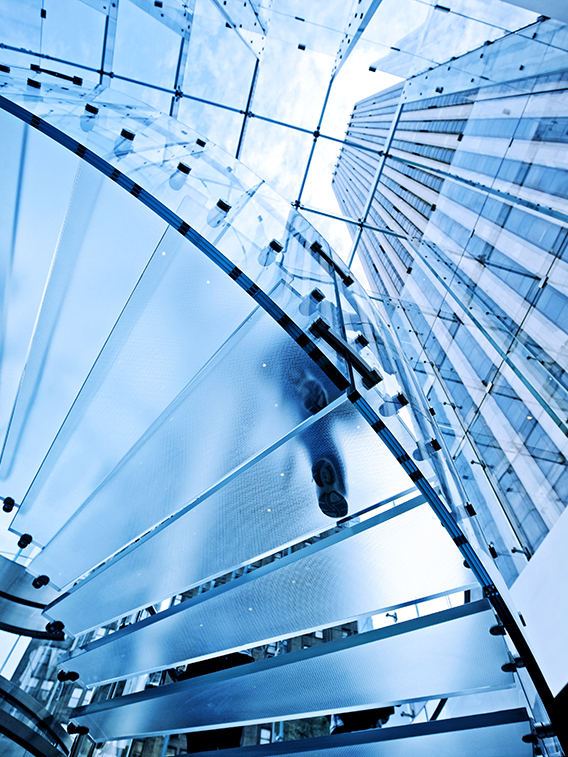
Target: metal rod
[377, 177]
[108, 42]
[105, 36]
[180, 73]
[354, 222]
[316, 135]
[247, 109]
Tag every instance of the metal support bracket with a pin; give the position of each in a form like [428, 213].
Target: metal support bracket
[369, 376]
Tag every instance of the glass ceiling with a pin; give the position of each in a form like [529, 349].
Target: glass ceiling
[208, 62]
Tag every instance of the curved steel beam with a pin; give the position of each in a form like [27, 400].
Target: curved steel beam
[27, 738]
[47, 724]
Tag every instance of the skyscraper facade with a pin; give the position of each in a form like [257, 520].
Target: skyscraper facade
[469, 163]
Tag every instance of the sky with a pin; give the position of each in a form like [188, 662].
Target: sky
[291, 84]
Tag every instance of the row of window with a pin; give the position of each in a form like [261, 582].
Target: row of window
[451, 228]
[537, 129]
[368, 133]
[553, 181]
[423, 207]
[379, 140]
[441, 126]
[428, 179]
[358, 166]
[457, 98]
[468, 97]
[390, 94]
[400, 218]
[377, 111]
[442, 154]
[533, 229]
[390, 269]
[529, 84]
[476, 356]
[518, 278]
[403, 254]
[353, 160]
[353, 167]
[362, 125]
[375, 275]
[496, 127]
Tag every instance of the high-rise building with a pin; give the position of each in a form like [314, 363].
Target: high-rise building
[469, 163]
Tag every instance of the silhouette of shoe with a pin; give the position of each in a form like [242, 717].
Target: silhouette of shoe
[313, 395]
[331, 502]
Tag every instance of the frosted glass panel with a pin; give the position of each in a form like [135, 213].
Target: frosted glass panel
[267, 506]
[495, 733]
[374, 566]
[173, 323]
[437, 656]
[96, 264]
[17, 582]
[251, 394]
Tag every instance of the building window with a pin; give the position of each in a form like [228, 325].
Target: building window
[75, 697]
